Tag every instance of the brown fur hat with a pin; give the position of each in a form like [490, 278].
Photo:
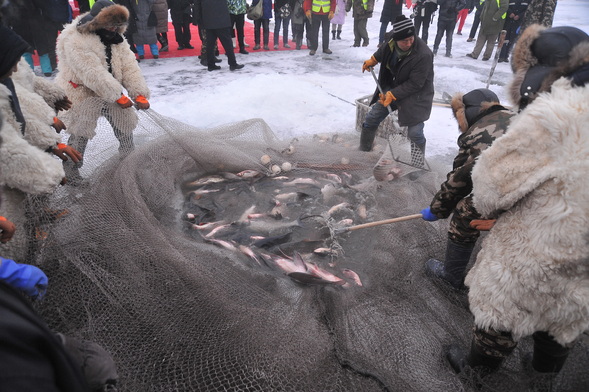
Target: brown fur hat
[104, 14]
[467, 107]
[543, 55]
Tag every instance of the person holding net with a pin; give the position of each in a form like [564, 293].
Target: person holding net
[406, 77]
[96, 62]
[531, 276]
[481, 120]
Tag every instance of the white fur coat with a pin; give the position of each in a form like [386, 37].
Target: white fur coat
[82, 61]
[532, 273]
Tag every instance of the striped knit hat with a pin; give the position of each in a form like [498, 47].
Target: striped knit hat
[403, 28]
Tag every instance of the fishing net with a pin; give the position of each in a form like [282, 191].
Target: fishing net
[135, 265]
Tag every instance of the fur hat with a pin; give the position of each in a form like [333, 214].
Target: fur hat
[543, 55]
[467, 108]
[104, 14]
[403, 28]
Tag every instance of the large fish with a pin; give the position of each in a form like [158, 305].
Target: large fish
[268, 242]
[271, 227]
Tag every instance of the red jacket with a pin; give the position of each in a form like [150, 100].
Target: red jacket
[309, 3]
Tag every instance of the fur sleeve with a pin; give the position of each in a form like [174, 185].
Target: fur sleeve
[39, 117]
[514, 165]
[124, 62]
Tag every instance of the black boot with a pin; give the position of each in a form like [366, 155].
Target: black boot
[549, 356]
[333, 34]
[339, 34]
[367, 138]
[452, 270]
[476, 359]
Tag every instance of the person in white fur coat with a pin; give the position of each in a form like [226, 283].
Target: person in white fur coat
[99, 73]
[27, 166]
[531, 276]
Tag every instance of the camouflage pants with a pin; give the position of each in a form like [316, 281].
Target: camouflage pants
[549, 356]
[460, 230]
[202, 33]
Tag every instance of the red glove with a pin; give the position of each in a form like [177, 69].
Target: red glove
[58, 125]
[142, 103]
[8, 228]
[483, 224]
[63, 151]
[308, 14]
[124, 102]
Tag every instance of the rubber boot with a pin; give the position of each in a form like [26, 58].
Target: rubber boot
[29, 59]
[476, 359]
[418, 154]
[339, 34]
[367, 138]
[452, 270]
[45, 65]
[333, 34]
[549, 356]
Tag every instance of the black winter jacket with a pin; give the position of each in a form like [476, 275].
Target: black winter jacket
[411, 81]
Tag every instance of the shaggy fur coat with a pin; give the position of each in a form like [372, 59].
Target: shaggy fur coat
[532, 273]
[84, 73]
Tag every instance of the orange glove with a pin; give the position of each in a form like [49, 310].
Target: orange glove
[483, 224]
[330, 16]
[63, 151]
[8, 228]
[387, 98]
[124, 102]
[141, 102]
[58, 125]
[368, 64]
[308, 14]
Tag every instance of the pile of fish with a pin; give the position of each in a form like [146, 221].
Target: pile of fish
[282, 222]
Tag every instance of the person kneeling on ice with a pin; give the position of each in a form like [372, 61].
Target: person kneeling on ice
[531, 276]
[481, 120]
[407, 80]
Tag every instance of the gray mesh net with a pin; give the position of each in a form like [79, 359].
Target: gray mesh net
[134, 267]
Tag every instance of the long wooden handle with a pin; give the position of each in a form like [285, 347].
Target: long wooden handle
[378, 223]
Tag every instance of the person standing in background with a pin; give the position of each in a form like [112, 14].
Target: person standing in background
[477, 19]
[422, 12]
[539, 12]
[132, 26]
[515, 16]
[181, 13]
[319, 13]
[446, 21]
[462, 14]
[492, 20]
[282, 14]
[237, 10]
[160, 9]
[390, 10]
[339, 18]
[300, 24]
[263, 23]
[361, 11]
[146, 23]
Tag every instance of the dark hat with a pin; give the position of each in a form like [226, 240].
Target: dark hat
[12, 47]
[541, 56]
[96, 8]
[403, 28]
[472, 102]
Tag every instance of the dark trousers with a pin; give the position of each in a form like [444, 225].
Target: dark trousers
[278, 21]
[238, 22]
[182, 30]
[511, 27]
[224, 36]
[423, 22]
[265, 25]
[319, 21]
[445, 27]
[360, 32]
[475, 24]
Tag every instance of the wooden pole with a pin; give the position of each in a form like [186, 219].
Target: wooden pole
[378, 223]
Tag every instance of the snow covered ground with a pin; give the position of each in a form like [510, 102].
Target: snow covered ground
[298, 94]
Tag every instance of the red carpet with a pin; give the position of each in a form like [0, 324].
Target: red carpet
[195, 41]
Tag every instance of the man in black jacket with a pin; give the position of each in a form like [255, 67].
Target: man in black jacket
[407, 78]
[213, 15]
